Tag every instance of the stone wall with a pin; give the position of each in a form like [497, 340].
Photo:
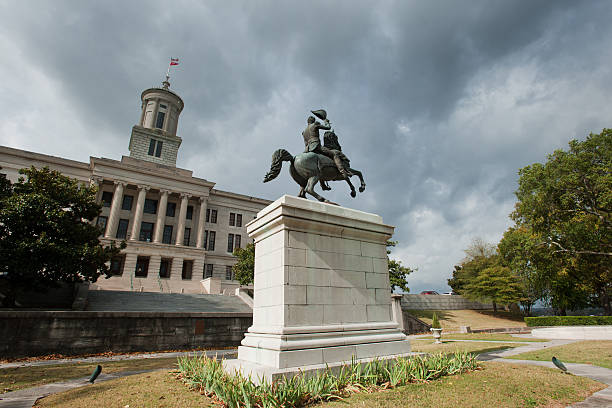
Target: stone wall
[440, 302]
[35, 333]
[414, 325]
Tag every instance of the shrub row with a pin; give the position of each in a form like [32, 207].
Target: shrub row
[208, 377]
[568, 321]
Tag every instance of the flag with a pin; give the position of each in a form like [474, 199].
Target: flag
[174, 61]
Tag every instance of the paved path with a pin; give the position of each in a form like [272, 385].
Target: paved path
[119, 357]
[601, 398]
[27, 397]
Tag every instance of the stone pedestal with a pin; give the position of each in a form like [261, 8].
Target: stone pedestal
[321, 291]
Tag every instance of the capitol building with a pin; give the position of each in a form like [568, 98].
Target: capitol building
[180, 230]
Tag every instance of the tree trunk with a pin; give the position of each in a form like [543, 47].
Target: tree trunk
[605, 303]
[9, 298]
[494, 308]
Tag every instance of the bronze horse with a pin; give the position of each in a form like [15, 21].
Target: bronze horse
[307, 169]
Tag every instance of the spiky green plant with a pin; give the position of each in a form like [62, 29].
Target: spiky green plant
[207, 376]
[435, 323]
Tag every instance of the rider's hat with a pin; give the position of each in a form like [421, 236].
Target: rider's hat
[321, 114]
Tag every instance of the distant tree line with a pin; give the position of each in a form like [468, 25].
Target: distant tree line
[559, 249]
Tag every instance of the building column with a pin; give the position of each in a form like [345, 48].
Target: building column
[161, 216]
[201, 219]
[142, 194]
[113, 217]
[96, 182]
[180, 233]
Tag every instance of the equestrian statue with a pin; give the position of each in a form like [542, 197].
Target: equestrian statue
[319, 163]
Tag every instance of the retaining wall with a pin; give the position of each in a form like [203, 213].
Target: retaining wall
[440, 302]
[35, 333]
[573, 332]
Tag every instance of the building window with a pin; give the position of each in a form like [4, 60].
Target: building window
[107, 198]
[213, 216]
[150, 206]
[205, 238]
[237, 239]
[187, 269]
[208, 215]
[146, 231]
[211, 240]
[189, 215]
[102, 221]
[127, 202]
[170, 209]
[230, 243]
[116, 265]
[232, 220]
[142, 267]
[122, 228]
[152, 144]
[164, 268]
[187, 236]
[229, 275]
[167, 236]
[208, 271]
[161, 105]
[155, 148]
[239, 220]
[160, 120]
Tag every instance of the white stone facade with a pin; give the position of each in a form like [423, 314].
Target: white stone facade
[178, 228]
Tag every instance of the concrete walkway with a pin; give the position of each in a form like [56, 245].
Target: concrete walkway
[601, 398]
[27, 397]
[119, 357]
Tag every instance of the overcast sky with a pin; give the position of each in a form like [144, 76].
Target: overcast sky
[439, 103]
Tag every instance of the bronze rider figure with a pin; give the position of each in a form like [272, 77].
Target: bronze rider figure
[313, 144]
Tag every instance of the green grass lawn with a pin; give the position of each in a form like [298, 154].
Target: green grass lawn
[449, 346]
[595, 352]
[488, 336]
[13, 379]
[496, 385]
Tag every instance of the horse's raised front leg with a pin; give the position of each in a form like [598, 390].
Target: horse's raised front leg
[324, 185]
[363, 184]
[353, 192]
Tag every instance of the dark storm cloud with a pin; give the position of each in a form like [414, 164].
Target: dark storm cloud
[439, 102]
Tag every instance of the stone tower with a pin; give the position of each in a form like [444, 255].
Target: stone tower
[154, 139]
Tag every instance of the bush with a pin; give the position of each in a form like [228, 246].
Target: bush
[208, 377]
[568, 321]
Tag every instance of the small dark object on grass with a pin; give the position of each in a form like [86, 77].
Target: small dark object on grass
[559, 364]
[95, 374]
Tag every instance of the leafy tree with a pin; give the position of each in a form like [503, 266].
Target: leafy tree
[567, 202]
[46, 234]
[398, 274]
[244, 269]
[519, 250]
[478, 256]
[481, 277]
[496, 284]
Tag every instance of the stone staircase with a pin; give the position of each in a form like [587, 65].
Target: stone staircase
[125, 301]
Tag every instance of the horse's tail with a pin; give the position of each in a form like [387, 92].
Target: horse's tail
[278, 157]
